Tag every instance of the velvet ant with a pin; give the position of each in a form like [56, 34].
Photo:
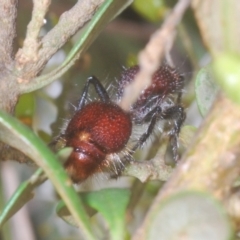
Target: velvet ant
[100, 130]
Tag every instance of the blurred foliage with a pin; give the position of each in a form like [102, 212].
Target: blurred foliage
[115, 48]
[206, 90]
[110, 203]
[226, 68]
[205, 211]
[151, 10]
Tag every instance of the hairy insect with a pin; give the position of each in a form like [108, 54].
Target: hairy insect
[100, 130]
[160, 101]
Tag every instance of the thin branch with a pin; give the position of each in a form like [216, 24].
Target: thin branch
[69, 23]
[108, 10]
[150, 57]
[8, 13]
[31, 44]
[154, 169]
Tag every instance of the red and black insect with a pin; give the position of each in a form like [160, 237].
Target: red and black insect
[101, 129]
[160, 101]
[97, 130]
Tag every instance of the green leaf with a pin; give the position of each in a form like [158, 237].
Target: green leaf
[22, 138]
[25, 106]
[227, 70]
[152, 10]
[189, 215]
[108, 11]
[111, 203]
[205, 89]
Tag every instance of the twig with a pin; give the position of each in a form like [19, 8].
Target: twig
[8, 13]
[88, 34]
[31, 44]
[150, 57]
[154, 169]
[69, 23]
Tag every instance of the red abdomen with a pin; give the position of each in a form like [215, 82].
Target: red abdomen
[96, 130]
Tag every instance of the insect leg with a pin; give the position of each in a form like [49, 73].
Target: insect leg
[99, 89]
